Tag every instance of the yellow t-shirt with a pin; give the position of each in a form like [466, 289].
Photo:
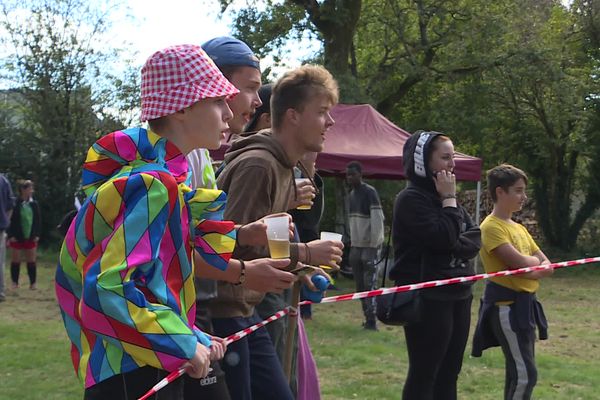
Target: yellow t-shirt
[495, 232]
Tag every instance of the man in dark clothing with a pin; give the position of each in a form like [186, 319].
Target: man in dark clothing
[7, 202]
[365, 217]
[308, 220]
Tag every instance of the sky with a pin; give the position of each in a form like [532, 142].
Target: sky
[158, 24]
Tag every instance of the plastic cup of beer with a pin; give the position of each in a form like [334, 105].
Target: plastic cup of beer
[330, 236]
[299, 183]
[278, 236]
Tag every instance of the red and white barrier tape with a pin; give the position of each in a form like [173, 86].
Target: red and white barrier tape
[164, 382]
[451, 281]
[245, 332]
[377, 292]
[228, 340]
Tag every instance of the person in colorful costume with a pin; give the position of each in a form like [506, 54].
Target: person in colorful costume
[125, 279]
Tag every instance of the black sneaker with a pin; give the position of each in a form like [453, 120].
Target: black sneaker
[370, 326]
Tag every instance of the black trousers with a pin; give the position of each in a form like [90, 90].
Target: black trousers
[133, 385]
[214, 386]
[435, 349]
[252, 369]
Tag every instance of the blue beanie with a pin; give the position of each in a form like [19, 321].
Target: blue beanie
[226, 50]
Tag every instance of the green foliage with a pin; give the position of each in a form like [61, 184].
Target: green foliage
[54, 113]
[536, 109]
[262, 30]
[266, 26]
[510, 81]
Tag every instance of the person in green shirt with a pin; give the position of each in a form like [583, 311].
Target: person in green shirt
[24, 233]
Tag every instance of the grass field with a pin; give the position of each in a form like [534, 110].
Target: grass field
[353, 363]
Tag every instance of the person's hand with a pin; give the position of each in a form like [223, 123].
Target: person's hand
[306, 279]
[265, 275]
[445, 183]
[305, 193]
[255, 233]
[199, 365]
[218, 348]
[545, 272]
[325, 252]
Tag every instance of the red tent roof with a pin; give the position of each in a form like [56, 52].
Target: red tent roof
[361, 133]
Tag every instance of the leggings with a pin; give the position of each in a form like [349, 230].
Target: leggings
[133, 385]
[214, 386]
[435, 349]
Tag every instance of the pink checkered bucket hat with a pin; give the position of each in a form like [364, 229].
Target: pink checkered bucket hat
[177, 77]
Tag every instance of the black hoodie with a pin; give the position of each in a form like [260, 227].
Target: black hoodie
[442, 239]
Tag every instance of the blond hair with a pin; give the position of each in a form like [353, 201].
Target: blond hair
[297, 87]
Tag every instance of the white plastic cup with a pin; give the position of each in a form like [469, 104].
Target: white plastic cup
[278, 236]
[331, 236]
[301, 182]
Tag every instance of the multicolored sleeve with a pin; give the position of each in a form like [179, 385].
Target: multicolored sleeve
[214, 238]
[133, 296]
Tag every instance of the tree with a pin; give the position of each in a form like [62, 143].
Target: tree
[378, 49]
[51, 70]
[538, 110]
[511, 80]
[333, 22]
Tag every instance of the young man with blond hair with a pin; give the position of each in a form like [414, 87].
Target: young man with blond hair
[259, 180]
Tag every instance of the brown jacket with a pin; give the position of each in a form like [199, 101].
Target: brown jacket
[259, 180]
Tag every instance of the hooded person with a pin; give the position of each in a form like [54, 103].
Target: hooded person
[434, 238]
[261, 119]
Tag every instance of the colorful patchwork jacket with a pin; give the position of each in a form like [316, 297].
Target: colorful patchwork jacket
[124, 282]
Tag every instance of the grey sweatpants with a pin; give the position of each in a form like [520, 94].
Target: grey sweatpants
[362, 260]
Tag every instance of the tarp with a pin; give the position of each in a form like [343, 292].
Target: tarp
[361, 133]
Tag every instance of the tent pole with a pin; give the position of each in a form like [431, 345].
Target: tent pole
[478, 203]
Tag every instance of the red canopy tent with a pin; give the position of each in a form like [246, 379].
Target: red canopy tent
[361, 133]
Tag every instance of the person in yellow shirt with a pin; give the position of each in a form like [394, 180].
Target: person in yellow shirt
[509, 310]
